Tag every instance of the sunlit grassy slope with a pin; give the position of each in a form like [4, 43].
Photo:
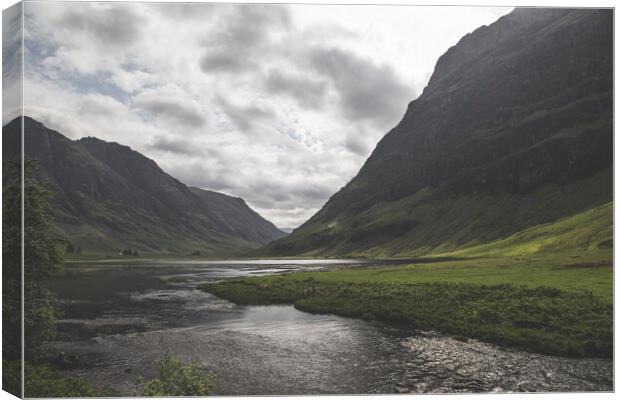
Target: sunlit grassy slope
[589, 230]
[435, 222]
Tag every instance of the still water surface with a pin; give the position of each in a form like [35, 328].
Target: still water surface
[120, 319]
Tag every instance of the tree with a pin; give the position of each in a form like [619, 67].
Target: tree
[42, 257]
[11, 268]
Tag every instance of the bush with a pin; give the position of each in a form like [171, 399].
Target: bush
[45, 381]
[12, 377]
[177, 379]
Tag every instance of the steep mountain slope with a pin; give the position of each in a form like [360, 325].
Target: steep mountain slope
[513, 130]
[109, 197]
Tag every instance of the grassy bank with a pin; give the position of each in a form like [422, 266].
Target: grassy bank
[557, 303]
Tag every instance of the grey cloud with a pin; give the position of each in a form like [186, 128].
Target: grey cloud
[11, 62]
[112, 25]
[208, 176]
[243, 32]
[245, 117]
[307, 91]
[367, 91]
[287, 219]
[274, 193]
[184, 11]
[250, 24]
[11, 27]
[174, 111]
[356, 144]
[220, 60]
[183, 147]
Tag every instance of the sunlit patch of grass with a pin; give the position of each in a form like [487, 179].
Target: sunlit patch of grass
[589, 230]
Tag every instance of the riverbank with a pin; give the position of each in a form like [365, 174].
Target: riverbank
[559, 304]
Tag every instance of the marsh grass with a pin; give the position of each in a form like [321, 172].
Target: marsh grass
[522, 302]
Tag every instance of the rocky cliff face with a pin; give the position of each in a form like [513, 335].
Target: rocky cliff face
[513, 113]
[108, 196]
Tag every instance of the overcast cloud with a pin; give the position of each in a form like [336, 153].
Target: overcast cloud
[279, 105]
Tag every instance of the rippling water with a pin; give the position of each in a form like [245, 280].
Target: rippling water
[120, 319]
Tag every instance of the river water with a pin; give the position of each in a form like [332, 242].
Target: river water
[120, 319]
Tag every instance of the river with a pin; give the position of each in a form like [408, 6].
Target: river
[118, 320]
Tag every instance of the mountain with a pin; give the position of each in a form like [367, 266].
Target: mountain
[109, 197]
[514, 130]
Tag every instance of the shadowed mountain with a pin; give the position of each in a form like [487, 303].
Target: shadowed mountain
[514, 130]
[109, 197]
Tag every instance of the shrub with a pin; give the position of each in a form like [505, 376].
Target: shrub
[45, 381]
[177, 379]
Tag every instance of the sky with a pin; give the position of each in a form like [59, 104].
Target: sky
[277, 104]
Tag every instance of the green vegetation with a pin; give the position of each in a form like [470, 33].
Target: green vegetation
[11, 275]
[588, 230]
[177, 379]
[46, 381]
[531, 311]
[41, 259]
[547, 289]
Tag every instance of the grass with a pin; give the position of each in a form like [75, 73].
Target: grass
[537, 270]
[540, 306]
[547, 289]
[589, 230]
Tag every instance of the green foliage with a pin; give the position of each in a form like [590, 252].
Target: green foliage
[177, 379]
[45, 381]
[41, 258]
[129, 252]
[12, 376]
[11, 264]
